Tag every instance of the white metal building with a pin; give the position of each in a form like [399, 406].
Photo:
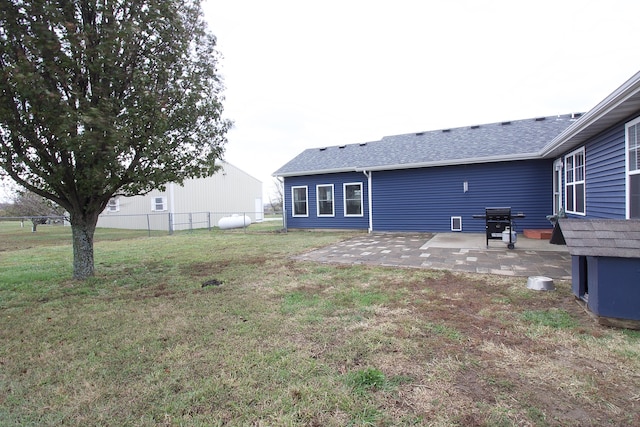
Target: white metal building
[197, 203]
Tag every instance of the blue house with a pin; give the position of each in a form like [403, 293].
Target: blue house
[435, 181]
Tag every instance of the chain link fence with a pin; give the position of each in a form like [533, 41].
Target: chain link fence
[168, 223]
[173, 222]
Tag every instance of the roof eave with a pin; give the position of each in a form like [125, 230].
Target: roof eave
[616, 107]
[315, 172]
[452, 162]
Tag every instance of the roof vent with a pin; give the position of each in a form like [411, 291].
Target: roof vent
[505, 123]
[419, 133]
[446, 130]
[539, 119]
[575, 115]
[341, 146]
[362, 144]
[323, 148]
[475, 126]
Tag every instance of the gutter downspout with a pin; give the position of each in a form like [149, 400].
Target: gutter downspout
[369, 198]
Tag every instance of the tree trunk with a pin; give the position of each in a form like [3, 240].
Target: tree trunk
[82, 231]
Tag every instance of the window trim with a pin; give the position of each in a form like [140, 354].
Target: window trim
[154, 204]
[293, 201]
[333, 204]
[344, 199]
[627, 160]
[571, 186]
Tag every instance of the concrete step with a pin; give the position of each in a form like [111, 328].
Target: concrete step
[537, 234]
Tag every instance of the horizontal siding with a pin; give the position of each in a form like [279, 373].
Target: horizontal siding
[426, 199]
[605, 174]
[339, 221]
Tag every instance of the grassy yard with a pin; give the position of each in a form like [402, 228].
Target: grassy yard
[223, 328]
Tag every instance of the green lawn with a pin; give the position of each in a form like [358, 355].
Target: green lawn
[224, 328]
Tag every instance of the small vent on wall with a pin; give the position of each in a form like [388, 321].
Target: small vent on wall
[456, 223]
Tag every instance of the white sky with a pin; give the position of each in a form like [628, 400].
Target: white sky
[303, 74]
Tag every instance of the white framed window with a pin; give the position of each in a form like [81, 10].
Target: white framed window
[353, 199]
[158, 204]
[300, 198]
[633, 168]
[574, 184]
[324, 196]
[113, 205]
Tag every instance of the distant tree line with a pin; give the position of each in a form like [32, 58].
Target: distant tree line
[29, 205]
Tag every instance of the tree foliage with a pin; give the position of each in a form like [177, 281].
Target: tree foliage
[106, 97]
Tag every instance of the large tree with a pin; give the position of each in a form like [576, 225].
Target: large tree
[106, 97]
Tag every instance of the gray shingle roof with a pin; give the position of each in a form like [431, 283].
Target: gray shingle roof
[518, 139]
[602, 237]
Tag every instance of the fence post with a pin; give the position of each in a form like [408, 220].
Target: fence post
[284, 220]
[190, 222]
[148, 225]
[170, 223]
[209, 221]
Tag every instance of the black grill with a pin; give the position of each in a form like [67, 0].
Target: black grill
[496, 221]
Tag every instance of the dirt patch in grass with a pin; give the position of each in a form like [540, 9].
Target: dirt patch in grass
[477, 349]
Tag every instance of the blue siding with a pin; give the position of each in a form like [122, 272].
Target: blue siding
[339, 221]
[605, 175]
[426, 199]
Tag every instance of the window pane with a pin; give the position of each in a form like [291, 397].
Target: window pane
[353, 207]
[570, 206]
[569, 169]
[579, 198]
[634, 196]
[634, 159]
[325, 208]
[633, 137]
[352, 192]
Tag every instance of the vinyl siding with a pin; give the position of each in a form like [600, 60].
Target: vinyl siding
[339, 221]
[605, 175]
[426, 199]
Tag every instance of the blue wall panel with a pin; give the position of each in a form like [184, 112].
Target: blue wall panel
[425, 199]
[605, 175]
[613, 287]
[339, 221]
